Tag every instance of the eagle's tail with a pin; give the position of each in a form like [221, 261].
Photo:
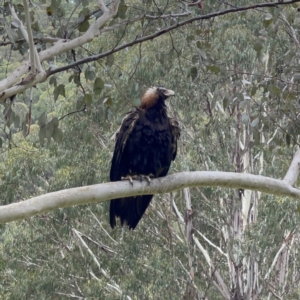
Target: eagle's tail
[130, 210]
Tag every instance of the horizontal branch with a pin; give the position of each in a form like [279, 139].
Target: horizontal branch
[66, 45]
[111, 190]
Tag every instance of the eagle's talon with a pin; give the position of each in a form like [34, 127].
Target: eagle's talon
[148, 178]
[128, 178]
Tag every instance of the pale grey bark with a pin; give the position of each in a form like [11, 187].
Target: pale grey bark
[111, 190]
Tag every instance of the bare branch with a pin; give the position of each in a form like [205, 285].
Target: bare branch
[211, 243]
[114, 286]
[294, 169]
[294, 34]
[78, 234]
[34, 58]
[283, 246]
[221, 286]
[102, 6]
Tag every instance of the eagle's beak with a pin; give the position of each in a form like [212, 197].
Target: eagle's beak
[169, 93]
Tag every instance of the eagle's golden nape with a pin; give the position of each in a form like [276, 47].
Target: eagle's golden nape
[146, 143]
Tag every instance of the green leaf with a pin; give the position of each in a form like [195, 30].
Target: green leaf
[268, 20]
[49, 130]
[274, 90]
[193, 72]
[107, 101]
[17, 121]
[53, 81]
[76, 78]
[88, 99]
[12, 35]
[83, 15]
[288, 139]
[55, 3]
[258, 45]
[57, 135]
[60, 12]
[255, 122]
[42, 119]
[110, 60]
[0, 142]
[98, 86]
[240, 97]
[79, 103]
[24, 130]
[122, 10]
[84, 26]
[55, 122]
[245, 119]
[225, 102]
[59, 90]
[195, 59]
[213, 68]
[11, 118]
[260, 56]
[42, 135]
[253, 90]
[89, 74]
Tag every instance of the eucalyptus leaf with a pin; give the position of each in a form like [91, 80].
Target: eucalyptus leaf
[98, 86]
[57, 135]
[255, 122]
[59, 90]
[42, 119]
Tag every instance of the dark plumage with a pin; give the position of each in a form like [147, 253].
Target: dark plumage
[146, 143]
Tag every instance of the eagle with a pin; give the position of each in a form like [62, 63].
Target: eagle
[146, 144]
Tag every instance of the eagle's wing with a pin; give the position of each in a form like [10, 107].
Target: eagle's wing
[122, 136]
[176, 134]
[175, 130]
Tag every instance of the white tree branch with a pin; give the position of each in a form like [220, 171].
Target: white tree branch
[34, 57]
[294, 169]
[221, 286]
[102, 6]
[114, 286]
[211, 243]
[283, 246]
[111, 190]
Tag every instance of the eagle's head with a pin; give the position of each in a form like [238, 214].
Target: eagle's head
[154, 95]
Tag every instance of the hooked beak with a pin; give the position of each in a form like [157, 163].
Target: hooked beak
[169, 93]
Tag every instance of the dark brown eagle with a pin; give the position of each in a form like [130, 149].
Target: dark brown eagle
[146, 143]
